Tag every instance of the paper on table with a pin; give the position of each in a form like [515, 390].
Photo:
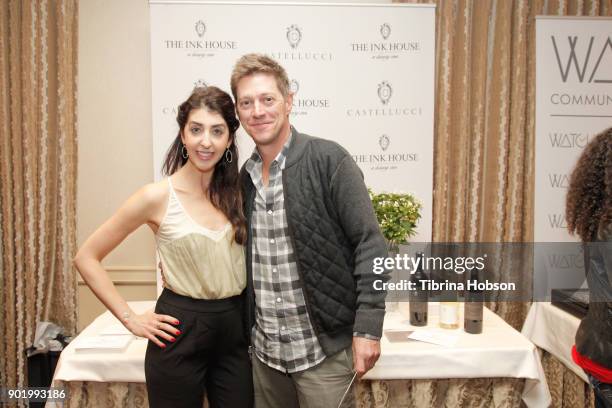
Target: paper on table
[441, 337]
[397, 335]
[103, 343]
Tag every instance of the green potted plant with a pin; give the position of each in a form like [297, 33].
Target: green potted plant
[397, 215]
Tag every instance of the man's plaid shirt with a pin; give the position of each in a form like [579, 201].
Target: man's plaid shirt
[283, 336]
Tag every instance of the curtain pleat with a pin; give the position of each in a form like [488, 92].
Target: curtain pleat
[38, 163]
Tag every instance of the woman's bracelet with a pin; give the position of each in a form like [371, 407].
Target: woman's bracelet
[125, 317]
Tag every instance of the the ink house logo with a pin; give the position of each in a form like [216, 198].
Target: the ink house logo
[384, 142]
[304, 103]
[581, 61]
[201, 44]
[384, 91]
[385, 159]
[385, 31]
[200, 28]
[295, 50]
[387, 48]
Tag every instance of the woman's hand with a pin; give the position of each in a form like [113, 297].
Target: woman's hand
[152, 325]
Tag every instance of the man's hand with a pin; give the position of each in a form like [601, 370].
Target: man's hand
[365, 354]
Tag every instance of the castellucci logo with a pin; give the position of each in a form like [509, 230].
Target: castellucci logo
[384, 92]
[385, 31]
[384, 142]
[200, 83]
[200, 28]
[294, 35]
[294, 86]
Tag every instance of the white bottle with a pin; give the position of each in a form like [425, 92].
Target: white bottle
[449, 315]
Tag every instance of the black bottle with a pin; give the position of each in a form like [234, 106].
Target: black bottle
[474, 305]
[418, 298]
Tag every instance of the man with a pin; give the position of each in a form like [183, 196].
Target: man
[314, 315]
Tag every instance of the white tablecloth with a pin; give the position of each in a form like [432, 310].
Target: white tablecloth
[553, 330]
[126, 366]
[500, 351]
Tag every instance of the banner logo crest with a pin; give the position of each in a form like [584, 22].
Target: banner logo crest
[385, 31]
[294, 86]
[200, 83]
[384, 142]
[294, 35]
[200, 28]
[384, 92]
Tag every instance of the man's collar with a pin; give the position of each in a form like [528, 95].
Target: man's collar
[256, 157]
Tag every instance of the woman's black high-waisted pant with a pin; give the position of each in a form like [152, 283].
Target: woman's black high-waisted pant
[209, 355]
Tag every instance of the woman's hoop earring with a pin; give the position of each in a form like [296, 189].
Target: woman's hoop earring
[228, 155]
[184, 152]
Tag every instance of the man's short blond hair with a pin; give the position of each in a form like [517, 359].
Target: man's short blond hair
[250, 64]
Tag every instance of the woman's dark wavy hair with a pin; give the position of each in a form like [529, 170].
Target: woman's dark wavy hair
[224, 189]
[589, 198]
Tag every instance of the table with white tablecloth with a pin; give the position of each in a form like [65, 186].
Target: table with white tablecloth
[499, 352]
[124, 366]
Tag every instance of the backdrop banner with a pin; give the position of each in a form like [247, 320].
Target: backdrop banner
[363, 75]
[573, 104]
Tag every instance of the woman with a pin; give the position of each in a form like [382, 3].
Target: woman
[196, 335]
[589, 215]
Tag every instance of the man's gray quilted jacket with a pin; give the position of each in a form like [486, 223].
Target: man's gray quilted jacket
[335, 236]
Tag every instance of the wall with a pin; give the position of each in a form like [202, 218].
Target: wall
[114, 130]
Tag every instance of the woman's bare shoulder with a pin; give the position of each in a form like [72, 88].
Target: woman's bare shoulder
[154, 194]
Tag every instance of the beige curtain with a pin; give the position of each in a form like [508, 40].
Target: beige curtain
[38, 156]
[566, 388]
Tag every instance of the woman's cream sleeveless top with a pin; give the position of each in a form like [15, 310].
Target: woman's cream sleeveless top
[198, 262]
